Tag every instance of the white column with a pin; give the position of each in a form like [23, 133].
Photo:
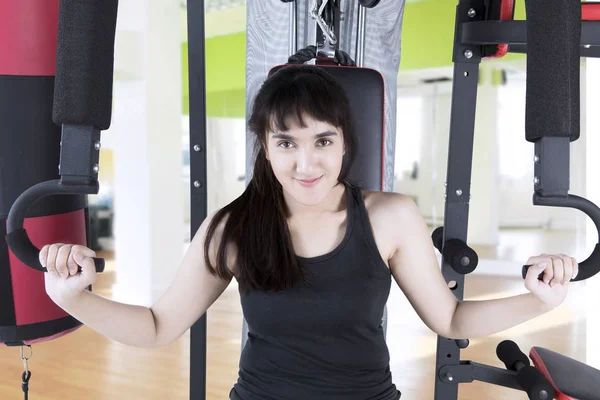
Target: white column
[483, 207]
[591, 121]
[146, 137]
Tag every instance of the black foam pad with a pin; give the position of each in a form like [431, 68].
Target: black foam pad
[553, 55]
[509, 353]
[85, 62]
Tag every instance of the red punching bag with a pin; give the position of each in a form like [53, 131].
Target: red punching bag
[41, 203]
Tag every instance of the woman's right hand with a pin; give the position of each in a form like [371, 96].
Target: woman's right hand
[64, 279]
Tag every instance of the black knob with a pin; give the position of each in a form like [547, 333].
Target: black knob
[461, 257]
[437, 237]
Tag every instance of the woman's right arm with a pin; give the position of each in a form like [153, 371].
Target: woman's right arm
[193, 290]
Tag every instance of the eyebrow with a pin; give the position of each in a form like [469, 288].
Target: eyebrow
[289, 137]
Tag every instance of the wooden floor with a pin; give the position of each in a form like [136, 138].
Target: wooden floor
[85, 365]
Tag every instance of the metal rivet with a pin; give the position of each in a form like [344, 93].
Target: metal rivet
[536, 180]
[97, 145]
[197, 184]
[472, 12]
[459, 192]
[449, 376]
[96, 168]
[587, 46]
[468, 53]
[536, 159]
[197, 147]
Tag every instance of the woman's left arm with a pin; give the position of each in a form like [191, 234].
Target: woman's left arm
[415, 268]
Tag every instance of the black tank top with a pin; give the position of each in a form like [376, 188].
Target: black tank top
[323, 340]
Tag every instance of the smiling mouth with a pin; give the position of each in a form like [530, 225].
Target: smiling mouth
[309, 180]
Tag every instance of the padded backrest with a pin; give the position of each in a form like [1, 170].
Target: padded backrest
[365, 90]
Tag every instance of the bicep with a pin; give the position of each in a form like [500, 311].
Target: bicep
[416, 270]
[193, 290]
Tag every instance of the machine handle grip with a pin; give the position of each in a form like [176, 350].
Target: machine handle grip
[587, 268]
[17, 237]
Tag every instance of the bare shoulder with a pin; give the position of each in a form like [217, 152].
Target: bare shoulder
[389, 205]
[391, 216]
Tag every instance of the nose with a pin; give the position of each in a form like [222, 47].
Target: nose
[306, 161]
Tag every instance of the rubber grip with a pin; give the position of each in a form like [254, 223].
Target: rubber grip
[587, 268]
[509, 353]
[17, 238]
[20, 244]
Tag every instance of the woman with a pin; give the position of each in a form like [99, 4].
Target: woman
[314, 257]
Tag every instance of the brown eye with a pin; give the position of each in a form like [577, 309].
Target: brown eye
[325, 142]
[285, 144]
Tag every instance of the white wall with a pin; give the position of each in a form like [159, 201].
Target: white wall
[514, 182]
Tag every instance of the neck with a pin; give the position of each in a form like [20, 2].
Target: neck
[332, 203]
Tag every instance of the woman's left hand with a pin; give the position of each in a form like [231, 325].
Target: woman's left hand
[558, 271]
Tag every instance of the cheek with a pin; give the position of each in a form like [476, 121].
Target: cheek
[281, 164]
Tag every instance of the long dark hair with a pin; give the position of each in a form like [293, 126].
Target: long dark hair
[257, 220]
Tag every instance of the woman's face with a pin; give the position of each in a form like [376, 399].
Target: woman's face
[307, 161]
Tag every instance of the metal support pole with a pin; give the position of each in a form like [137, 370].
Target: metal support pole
[198, 189]
[360, 36]
[293, 41]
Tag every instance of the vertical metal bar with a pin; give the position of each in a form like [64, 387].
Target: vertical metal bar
[458, 182]
[360, 36]
[198, 190]
[293, 41]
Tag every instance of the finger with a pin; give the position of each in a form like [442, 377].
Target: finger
[559, 270]
[568, 268]
[575, 267]
[61, 261]
[85, 251]
[548, 270]
[71, 264]
[88, 269]
[537, 259]
[533, 273]
[44, 255]
[51, 259]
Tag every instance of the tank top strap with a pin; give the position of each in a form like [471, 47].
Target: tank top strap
[363, 223]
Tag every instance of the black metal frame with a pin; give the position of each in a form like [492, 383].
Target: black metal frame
[472, 33]
[199, 187]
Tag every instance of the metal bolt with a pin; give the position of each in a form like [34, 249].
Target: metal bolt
[536, 180]
[459, 192]
[472, 12]
[97, 145]
[445, 196]
[449, 377]
[197, 184]
[536, 159]
[96, 168]
[468, 53]
[543, 395]
[587, 46]
[197, 147]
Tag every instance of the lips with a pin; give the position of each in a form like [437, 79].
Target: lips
[309, 182]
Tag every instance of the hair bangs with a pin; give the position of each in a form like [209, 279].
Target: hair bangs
[294, 100]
